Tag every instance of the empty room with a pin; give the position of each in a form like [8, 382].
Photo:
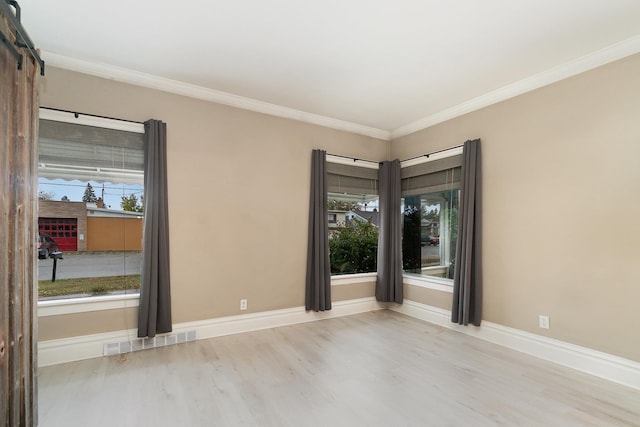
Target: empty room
[357, 213]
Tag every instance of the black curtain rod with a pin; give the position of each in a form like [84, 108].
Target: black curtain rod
[76, 114]
[355, 159]
[22, 38]
[432, 153]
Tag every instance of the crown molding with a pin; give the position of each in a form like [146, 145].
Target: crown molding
[596, 59]
[593, 60]
[137, 78]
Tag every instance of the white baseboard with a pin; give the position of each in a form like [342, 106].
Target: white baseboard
[65, 350]
[603, 365]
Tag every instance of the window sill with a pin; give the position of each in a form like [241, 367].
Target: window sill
[435, 283]
[349, 279]
[429, 282]
[86, 304]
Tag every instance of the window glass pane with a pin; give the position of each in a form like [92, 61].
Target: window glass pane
[353, 232]
[90, 211]
[430, 229]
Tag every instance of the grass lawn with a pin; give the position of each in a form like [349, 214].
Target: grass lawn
[88, 285]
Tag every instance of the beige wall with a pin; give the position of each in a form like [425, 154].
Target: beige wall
[353, 291]
[432, 297]
[561, 203]
[561, 171]
[238, 197]
[78, 324]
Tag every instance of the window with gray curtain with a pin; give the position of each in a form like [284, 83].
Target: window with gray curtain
[354, 218]
[90, 187]
[430, 202]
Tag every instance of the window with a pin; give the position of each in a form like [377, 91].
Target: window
[90, 191]
[353, 217]
[431, 193]
[430, 201]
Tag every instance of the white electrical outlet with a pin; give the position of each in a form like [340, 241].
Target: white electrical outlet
[243, 304]
[543, 321]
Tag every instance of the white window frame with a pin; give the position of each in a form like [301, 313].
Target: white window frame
[352, 279]
[55, 307]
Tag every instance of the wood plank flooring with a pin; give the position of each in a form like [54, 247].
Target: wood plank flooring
[373, 369]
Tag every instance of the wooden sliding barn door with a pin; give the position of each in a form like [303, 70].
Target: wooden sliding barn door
[18, 205]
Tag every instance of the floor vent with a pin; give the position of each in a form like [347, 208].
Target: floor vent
[145, 343]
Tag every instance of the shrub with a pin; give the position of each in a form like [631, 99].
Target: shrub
[354, 249]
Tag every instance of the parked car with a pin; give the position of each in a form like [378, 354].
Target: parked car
[429, 240]
[46, 245]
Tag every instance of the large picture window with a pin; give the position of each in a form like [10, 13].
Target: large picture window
[353, 216]
[90, 205]
[430, 200]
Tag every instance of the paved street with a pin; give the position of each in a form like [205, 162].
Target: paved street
[118, 264]
[429, 251]
[91, 265]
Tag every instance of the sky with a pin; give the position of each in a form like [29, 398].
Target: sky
[74, 190]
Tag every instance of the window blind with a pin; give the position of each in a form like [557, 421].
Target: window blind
[88, 153]
[431, 177]
[351, 179]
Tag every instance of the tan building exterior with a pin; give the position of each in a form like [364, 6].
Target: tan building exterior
[337, 219]
[114, 234]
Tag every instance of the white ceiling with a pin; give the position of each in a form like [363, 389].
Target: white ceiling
[393, 66]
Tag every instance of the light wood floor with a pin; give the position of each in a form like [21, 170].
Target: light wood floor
[372, 369]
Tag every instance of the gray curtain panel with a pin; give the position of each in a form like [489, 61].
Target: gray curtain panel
[318, 281]
[389, 279]
[467, 282]
[154, 311]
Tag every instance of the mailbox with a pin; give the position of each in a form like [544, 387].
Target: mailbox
[56, 256]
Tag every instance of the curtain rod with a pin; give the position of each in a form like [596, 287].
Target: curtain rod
[76, 114]
[355, 159]
[432, 153]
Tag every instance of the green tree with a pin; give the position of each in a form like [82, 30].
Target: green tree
[354, 249]
[130, 203]
[432, 215]
[89, 195]
[46, 195]
[342, 205]
[411, 240]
